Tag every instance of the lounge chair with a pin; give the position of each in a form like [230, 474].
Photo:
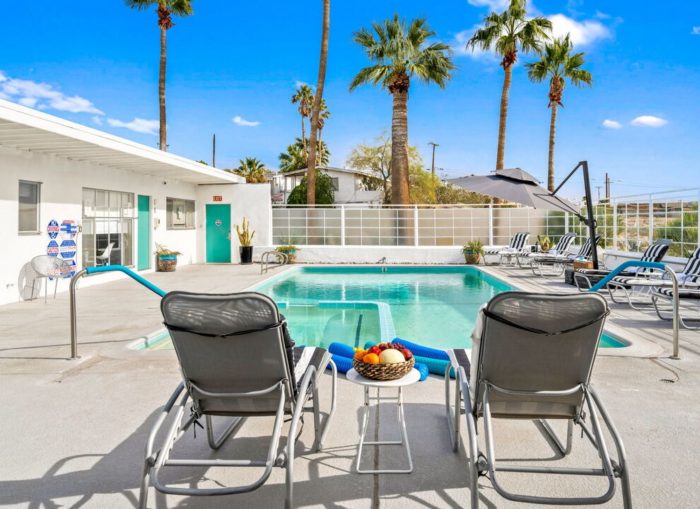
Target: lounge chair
[517, 244]
[555, 265]
[237, 361]
[526, 259]
[645, 284]
[685, 296]
[587, 278]
[532, 358]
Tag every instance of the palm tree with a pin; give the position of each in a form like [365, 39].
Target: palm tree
[316, 108]
[165, 9]
[401, 53]
[252, 169]
[296, 159]
[558, 64]
[304, 97]
[507, 33]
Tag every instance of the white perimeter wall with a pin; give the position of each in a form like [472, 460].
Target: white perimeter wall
[61, 198]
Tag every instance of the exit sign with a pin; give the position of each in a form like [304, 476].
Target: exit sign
[218, 198]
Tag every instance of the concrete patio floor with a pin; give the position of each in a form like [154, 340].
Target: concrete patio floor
[72, 432]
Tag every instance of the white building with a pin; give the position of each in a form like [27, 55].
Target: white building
[72, 191]
[350, 185]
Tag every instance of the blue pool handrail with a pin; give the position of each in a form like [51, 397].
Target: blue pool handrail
[126, 270]
[622, 267]
[99, 270]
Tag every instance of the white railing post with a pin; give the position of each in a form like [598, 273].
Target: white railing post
[415, 225]
[566, 222]
[651, 219]
[342, 225]
[491, 224]
[697, 218]
[615, 233]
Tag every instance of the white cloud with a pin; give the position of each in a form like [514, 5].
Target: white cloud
[495, 5]
[695, 30]
[28, 101]
[612, 124]
[581, 32]
[602, 15]
[138, 125]
[649, 121]
[238, 120]
[299, 84]
[43, 96]
[97, 120]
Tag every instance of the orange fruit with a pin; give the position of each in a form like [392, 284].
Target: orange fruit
[371, 358]
[359, 354]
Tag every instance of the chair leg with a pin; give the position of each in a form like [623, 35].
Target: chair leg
[473, 444]
[563, 449]
[452, 410]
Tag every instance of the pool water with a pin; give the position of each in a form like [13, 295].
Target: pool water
[433, 306]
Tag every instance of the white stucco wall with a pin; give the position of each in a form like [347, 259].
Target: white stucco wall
[371, 254]
[62, 182]
[251, 201]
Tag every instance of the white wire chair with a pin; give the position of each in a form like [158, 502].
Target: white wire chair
[48, 267]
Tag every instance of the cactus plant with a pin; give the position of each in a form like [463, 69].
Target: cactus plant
[245, 236]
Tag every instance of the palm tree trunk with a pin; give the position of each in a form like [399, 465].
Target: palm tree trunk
[399, 148]
[552, 136]
[500, 155]
[303, 139]
[161, 89]
[316, 108]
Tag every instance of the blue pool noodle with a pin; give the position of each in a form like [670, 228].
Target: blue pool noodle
[423, 351]
[341, 350]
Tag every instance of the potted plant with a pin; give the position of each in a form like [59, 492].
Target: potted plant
[245, 239]
[166, 259]
[544, 242]
[473, 250]
[290, 251]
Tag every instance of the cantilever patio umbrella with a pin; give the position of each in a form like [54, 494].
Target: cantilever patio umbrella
[516, 185]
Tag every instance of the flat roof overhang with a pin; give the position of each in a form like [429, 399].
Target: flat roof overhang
[31, 130]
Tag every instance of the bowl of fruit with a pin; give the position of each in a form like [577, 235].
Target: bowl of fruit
[385, 361]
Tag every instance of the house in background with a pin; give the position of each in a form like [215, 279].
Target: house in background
[351, 186]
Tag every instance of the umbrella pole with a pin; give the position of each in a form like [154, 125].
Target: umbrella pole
[590, 220]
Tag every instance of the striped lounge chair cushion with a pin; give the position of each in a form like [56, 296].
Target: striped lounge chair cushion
[517, 242]
[682, 293]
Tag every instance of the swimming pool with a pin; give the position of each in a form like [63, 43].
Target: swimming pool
[435, 306]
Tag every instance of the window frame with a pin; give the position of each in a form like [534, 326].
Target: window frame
[36, 231]
[170, 203]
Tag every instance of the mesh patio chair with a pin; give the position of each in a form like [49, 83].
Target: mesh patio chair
[104, 256]
[48, 267]
[687, 297]
[238, 362]
[532, 358]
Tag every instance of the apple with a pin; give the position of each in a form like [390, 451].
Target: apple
[407, 354]
[375, 349]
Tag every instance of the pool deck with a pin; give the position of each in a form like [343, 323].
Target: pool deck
[72, 432]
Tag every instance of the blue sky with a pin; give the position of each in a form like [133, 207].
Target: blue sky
[97, 63]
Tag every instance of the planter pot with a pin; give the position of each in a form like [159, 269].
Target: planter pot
[472, 258]
[246, 253]
[166, 263]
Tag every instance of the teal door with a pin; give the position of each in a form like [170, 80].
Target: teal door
[218, 233]
[143, 260]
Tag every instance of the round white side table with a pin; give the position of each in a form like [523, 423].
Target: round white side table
[409, 379]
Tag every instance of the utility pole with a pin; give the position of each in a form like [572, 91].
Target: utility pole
[213, 151]
[433, 165]
[607, 187]
[598, 188]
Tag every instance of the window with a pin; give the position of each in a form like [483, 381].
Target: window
[336, 185]
[180, 214]
[29, 196]
[108, 218]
